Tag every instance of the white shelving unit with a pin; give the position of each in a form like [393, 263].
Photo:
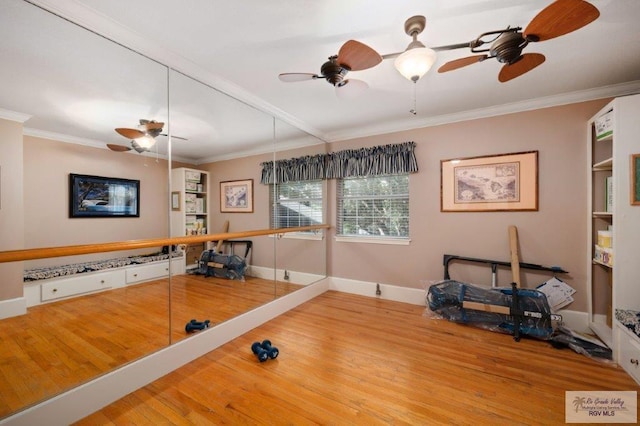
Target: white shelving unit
[191, 217]
[613, 280]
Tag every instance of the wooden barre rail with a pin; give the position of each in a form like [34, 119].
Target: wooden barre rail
[47, 252]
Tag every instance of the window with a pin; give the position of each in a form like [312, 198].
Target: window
[296, 204]
[376, 206]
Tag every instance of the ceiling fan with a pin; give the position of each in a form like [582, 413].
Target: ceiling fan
[142, 137]
[559, 18]
[352, 56]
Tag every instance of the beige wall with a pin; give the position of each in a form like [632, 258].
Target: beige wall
[47, 165]
[11, 206]
[554, 235]
[290, 254]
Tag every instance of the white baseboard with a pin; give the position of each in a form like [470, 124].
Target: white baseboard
[13, 307]
[85, 399]
[574, 320]
[295, 277]
[415, 296]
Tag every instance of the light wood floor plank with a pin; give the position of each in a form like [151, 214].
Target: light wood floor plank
[347, 359]
[60, 345]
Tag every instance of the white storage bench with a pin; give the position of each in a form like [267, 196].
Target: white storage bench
[628, 329]
[48, 284]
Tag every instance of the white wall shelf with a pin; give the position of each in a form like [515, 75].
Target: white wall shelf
[614, 285]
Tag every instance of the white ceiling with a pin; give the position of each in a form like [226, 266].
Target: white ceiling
[241, 47]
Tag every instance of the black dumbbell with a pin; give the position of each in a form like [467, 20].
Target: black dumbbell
[257, 349]
[272, 351]
[194, 325]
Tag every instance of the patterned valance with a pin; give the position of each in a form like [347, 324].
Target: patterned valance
[374, 161]
[378, 160]
[309, 167]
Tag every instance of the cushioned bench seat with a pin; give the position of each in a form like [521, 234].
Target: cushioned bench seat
[630, 319]
[78, 268]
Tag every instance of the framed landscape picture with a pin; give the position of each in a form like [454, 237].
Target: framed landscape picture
[505, 182]
[98, 196]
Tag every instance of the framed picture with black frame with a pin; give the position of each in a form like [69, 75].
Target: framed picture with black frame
[99, 196]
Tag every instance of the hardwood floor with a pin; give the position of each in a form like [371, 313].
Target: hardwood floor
[59, 345]
[347, 359]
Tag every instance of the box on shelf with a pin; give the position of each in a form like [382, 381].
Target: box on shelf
[190, 175]
[200, 205]
[604, 239]
[190, 186]
[604, 255]
[604, 125]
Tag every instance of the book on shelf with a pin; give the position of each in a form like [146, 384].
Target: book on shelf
[608, 190]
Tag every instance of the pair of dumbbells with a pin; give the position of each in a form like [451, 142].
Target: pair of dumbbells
[194, 325]
[264, 350]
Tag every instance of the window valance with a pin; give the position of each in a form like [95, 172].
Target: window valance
[374, 161]
[309, 167]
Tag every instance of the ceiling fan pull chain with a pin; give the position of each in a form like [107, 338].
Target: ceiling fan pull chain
[413, 110]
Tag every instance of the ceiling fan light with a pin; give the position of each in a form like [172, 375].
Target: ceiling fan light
[416, 62]
[145, 142]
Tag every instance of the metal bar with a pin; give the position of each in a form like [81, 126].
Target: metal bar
[447, 258]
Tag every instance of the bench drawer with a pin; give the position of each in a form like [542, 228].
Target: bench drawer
[629, 356]
[60, 288]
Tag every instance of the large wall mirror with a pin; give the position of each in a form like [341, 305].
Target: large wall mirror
[83, 312]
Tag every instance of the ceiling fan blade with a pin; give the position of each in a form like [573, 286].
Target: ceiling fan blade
[118, 148]
[526, 63]
[358, 56]
[174, 137]
[559, 18]
[292, 77]
[462, 62]
[130, 133]
[351, 88]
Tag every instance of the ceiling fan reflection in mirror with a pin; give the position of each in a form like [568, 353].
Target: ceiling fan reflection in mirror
[142, 138]
[559, 18]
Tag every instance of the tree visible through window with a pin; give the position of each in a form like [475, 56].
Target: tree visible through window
[296, 204]
[374, 206]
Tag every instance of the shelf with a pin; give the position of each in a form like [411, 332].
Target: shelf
[604, 333]
[605, 215]
[605, 165]
[605, 139]
[597, 262]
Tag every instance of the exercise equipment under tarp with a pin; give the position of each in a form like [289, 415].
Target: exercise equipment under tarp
[509, 310]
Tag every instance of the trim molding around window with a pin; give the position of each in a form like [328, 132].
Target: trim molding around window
[312, 236]
[373, 240]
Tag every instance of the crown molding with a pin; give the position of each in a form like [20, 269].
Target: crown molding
[19, 117]
[104, 26]
[613, 91]
[61, 137]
